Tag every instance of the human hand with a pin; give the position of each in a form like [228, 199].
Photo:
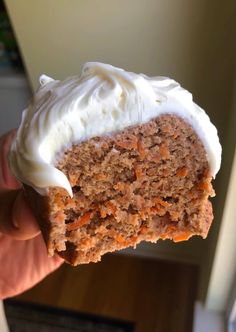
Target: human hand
[23, 255]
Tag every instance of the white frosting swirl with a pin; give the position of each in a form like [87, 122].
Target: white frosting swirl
[103, 99]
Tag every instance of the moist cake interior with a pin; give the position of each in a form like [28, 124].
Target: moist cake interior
[147, 182]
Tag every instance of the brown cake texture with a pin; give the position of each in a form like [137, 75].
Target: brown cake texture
[148, 182]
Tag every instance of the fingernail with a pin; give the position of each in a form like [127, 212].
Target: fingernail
[23, 218]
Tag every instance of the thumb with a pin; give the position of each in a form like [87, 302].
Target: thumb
[16, 218]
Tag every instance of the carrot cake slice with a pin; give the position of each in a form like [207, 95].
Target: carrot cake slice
[111, 158]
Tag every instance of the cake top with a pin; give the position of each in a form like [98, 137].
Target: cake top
[102, 100]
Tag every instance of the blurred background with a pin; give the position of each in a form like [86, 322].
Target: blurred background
[163, 286]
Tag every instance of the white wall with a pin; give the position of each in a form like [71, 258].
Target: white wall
[14, 97]
[152, 36]
[219, 264]
[3, 321]
[207, 320]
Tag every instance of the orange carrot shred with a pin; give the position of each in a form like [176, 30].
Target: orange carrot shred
[101, 176]
[163, 236]
[80, 221]
[133, 238]
[182, 172]
[103, 213]
[183, 236]
[143, 230]
[141, 149]
[170, 229]
[160, 201]
[112, 208]
[128, 144]
[142, 214]
[138, 172]
[204, 185]
[164, 151]
[119, 238]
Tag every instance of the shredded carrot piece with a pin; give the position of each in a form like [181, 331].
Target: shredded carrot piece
[177, 236]
[101, 176]
[133, 238]
[141, 149]
[103, 212]
[85, 242]
[182, 172]
[138, 172]
[183, 236]
[58, 199]
[143, 230]
[160, 201]
[157, 210]
[164, 236]
[204, 185]
[119, 238]
[112, 208]
[164, 151]
[170, 229]
[80, 221]
[129, 144]
[142, 214]
[108, 209]
[166, 129]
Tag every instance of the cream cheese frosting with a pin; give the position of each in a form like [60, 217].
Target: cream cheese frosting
[102, 100]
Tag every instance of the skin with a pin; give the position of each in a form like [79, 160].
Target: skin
[23, 256]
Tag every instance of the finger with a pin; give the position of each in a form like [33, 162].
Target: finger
[16, 218]
[19, 272]
[7, 180]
